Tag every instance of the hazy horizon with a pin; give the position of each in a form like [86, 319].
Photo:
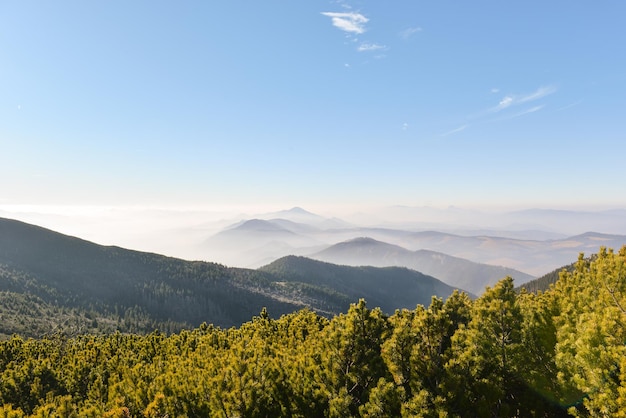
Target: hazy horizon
[193, 234]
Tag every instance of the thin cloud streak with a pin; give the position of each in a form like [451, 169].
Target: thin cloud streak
[407, 33]
[518, 114]
[350, 22]
[576, 103]
[538, 94]
[527, 111]
[454, 131]
[511, 100]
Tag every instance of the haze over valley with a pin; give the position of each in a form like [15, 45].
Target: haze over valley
[468, 249]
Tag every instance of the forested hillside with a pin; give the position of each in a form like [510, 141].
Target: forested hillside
[136, 291]
[543, 283]
[388, 288]
[51, 282]
[504, 354]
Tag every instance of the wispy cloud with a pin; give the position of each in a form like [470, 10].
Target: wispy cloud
[504, 103]
[576, 103]
[527, 111]
[350, 22]
[370, 47]
[510, 106]
[518, 114]
[454, 131]
[512, 100]
[538, 94]
[407, 33]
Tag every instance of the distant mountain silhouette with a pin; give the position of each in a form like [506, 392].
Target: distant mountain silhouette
[531, 256]
[522, 241]
[454, 271]
[258, 225]
[302, 216]
[296, 211]
[254, 242]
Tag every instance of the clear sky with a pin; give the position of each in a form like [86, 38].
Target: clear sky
[313, 103]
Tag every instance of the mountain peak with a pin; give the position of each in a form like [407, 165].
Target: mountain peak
[363, 241]
[298, 210]
[260, 225]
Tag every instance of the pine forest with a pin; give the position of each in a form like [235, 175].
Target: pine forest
[507, 353]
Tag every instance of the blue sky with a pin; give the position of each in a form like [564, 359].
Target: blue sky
[284, 103]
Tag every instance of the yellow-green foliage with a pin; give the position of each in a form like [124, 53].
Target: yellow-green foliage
[591, 333]
[504, 354]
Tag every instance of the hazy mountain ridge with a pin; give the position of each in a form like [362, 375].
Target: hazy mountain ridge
[454, 271]
[566, 222]
[535, 244]
[254, 242]
[533, 241]
[533, 257]
[67, 278]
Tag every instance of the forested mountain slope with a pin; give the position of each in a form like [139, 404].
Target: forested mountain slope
[543, 283]
[388, 288]
[146, 289]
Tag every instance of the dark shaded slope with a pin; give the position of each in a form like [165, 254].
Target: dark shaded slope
[67, 271]
[543, 283]
[389, 288]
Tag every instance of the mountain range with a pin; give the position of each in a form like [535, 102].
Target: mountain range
[455, 271]
[50, 281]
[286, 260]
[527, 253]
[532, 241]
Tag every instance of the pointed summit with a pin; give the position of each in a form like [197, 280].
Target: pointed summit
[297, 213]
[298, 210]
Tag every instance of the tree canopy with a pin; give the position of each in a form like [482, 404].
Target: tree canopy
[548, 354]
